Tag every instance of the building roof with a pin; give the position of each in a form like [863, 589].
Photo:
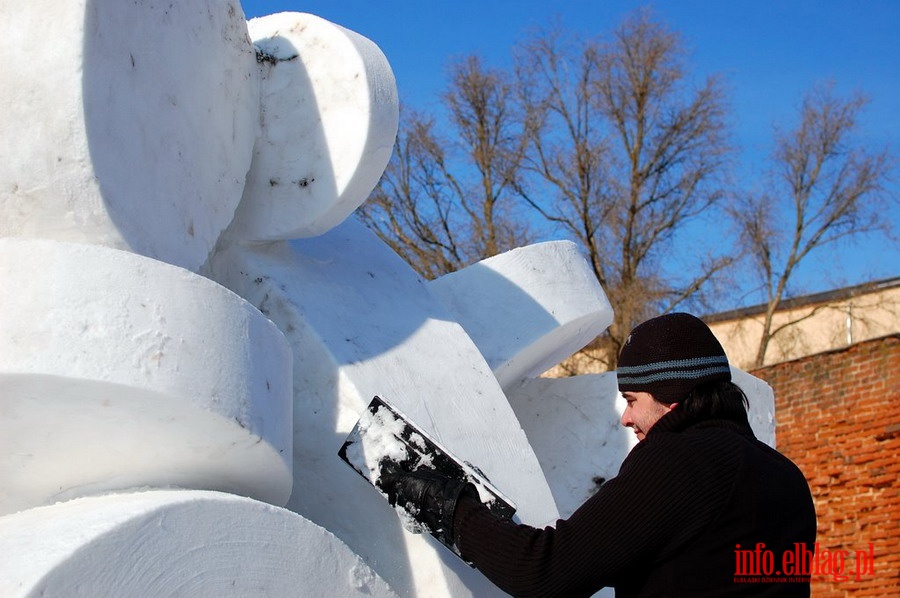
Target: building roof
[804, 300]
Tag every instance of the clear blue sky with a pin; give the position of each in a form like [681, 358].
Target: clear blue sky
[769, 51]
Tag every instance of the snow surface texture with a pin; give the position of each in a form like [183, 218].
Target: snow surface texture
[339, 116]
[188, 303]
[361, 323]
[118, 371]
[175, 543]
[126, 124]
[527, 309]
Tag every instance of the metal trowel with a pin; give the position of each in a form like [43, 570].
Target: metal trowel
[383, 433]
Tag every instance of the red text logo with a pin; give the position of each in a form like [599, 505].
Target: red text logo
[800, 564]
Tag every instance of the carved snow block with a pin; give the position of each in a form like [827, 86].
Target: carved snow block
[329, 119]
[361, 323]
[573, 426]
[527, 309]
[175, 543]
[761, 398]
[118, 371]
[126, 124]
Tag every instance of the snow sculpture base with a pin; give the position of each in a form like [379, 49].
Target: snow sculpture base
[118, 371]
[175, 543]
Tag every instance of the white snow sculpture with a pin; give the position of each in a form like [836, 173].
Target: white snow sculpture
[118, 371]
[329, 117]
[126, 124]
[359, 320]
[573, 426]
[361, 323]
[527, 309]
[175, 543]
[143, 132]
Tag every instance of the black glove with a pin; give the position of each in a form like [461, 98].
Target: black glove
[428, 496]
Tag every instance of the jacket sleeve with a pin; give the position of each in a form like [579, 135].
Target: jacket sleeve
[653, 505]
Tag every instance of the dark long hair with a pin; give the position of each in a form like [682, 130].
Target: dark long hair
[716, 400]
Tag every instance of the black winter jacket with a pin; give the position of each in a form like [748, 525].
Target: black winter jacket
[669, 524]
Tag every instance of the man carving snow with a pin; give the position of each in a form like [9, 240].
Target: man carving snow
[697, 490]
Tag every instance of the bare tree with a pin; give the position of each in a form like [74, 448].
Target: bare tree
[630, 156]
[823, 189]
[410, 208]
[446, 201]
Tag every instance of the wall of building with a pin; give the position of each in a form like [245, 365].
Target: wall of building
[832, 323]
[838, 418]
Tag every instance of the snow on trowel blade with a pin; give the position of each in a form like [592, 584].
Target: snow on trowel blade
[384, 434]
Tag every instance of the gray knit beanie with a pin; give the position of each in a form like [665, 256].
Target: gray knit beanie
[669, 355]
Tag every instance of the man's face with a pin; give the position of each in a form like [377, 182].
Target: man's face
[642, 411]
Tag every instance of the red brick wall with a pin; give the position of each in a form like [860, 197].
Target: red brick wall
[838, 418]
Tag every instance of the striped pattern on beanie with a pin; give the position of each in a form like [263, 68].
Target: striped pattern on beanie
[679, 369]
[669, 355]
